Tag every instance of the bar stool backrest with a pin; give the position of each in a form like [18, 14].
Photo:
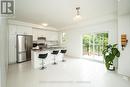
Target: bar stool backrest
[55, 52]
[63, 51]
[43, 56]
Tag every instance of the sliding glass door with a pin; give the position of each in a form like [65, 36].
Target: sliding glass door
[93, 44]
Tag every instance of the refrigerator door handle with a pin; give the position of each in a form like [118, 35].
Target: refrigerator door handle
[25, 44]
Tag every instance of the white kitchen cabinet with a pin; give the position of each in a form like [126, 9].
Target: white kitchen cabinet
[20, 30]
[12, 30]
[12, 44]
[12, 49]
[24, 30]
[34, 33]
[51, 35]
[15, 29]
[28, 31]
[41, 33]
[38, 33]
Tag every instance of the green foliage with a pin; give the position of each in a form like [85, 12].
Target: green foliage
[86, 42]
[98, 41]
[110, 52]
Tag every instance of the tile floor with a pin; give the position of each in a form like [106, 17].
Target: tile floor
[72, 73]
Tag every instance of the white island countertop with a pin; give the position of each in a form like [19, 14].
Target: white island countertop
[37, 62]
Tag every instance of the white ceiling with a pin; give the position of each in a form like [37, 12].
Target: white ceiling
[123, 7]
[60, 13]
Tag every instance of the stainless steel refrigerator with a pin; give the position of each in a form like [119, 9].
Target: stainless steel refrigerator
[24, 46]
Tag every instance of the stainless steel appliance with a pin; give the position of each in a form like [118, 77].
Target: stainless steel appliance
[41, 42]
[24, 46]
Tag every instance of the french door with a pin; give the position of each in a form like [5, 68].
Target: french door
[93, 45]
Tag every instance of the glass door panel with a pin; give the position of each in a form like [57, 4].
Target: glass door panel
[93, 45]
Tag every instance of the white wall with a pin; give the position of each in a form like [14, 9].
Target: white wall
[124, 60]
[74, 36]
[124, 27]
[3, 51]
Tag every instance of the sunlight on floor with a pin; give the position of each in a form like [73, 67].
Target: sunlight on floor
[94, 57]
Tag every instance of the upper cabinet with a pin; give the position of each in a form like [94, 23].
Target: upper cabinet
[34, 33]
[12, 30]
[15, 29]
[50, 35]
[24, 30]
[41, 33]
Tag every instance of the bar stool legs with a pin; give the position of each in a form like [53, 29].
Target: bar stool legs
[43, 57]
[54, 61]
[63, 52]
[55, 52]
[63, 60]
[43, 67]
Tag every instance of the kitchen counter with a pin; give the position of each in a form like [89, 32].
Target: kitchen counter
[37, 62]
[49, 48]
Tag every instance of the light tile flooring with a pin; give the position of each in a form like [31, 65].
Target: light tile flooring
[72, 73]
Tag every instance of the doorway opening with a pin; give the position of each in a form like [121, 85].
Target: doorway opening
[93, 45]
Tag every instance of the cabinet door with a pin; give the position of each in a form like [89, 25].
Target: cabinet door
[41, 33]
[24, 30]
[55, 35]
[34, 33]
[28, 30]
[51, 35]
[20, 30]
[12, 49]
[12, 30]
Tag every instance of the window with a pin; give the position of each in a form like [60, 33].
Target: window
[64, 37]
[93, 45]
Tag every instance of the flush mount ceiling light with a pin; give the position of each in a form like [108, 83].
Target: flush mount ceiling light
[44, 24]
[77, 16]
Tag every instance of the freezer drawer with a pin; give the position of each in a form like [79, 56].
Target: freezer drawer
[21, 57]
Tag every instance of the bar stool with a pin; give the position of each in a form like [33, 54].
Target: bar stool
[63, 52]
[43, 57]
[55, 52]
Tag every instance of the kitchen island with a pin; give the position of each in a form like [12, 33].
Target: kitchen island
[37, 62]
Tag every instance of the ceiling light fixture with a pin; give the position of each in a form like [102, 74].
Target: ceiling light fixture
[77, 16]
[44, 24]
